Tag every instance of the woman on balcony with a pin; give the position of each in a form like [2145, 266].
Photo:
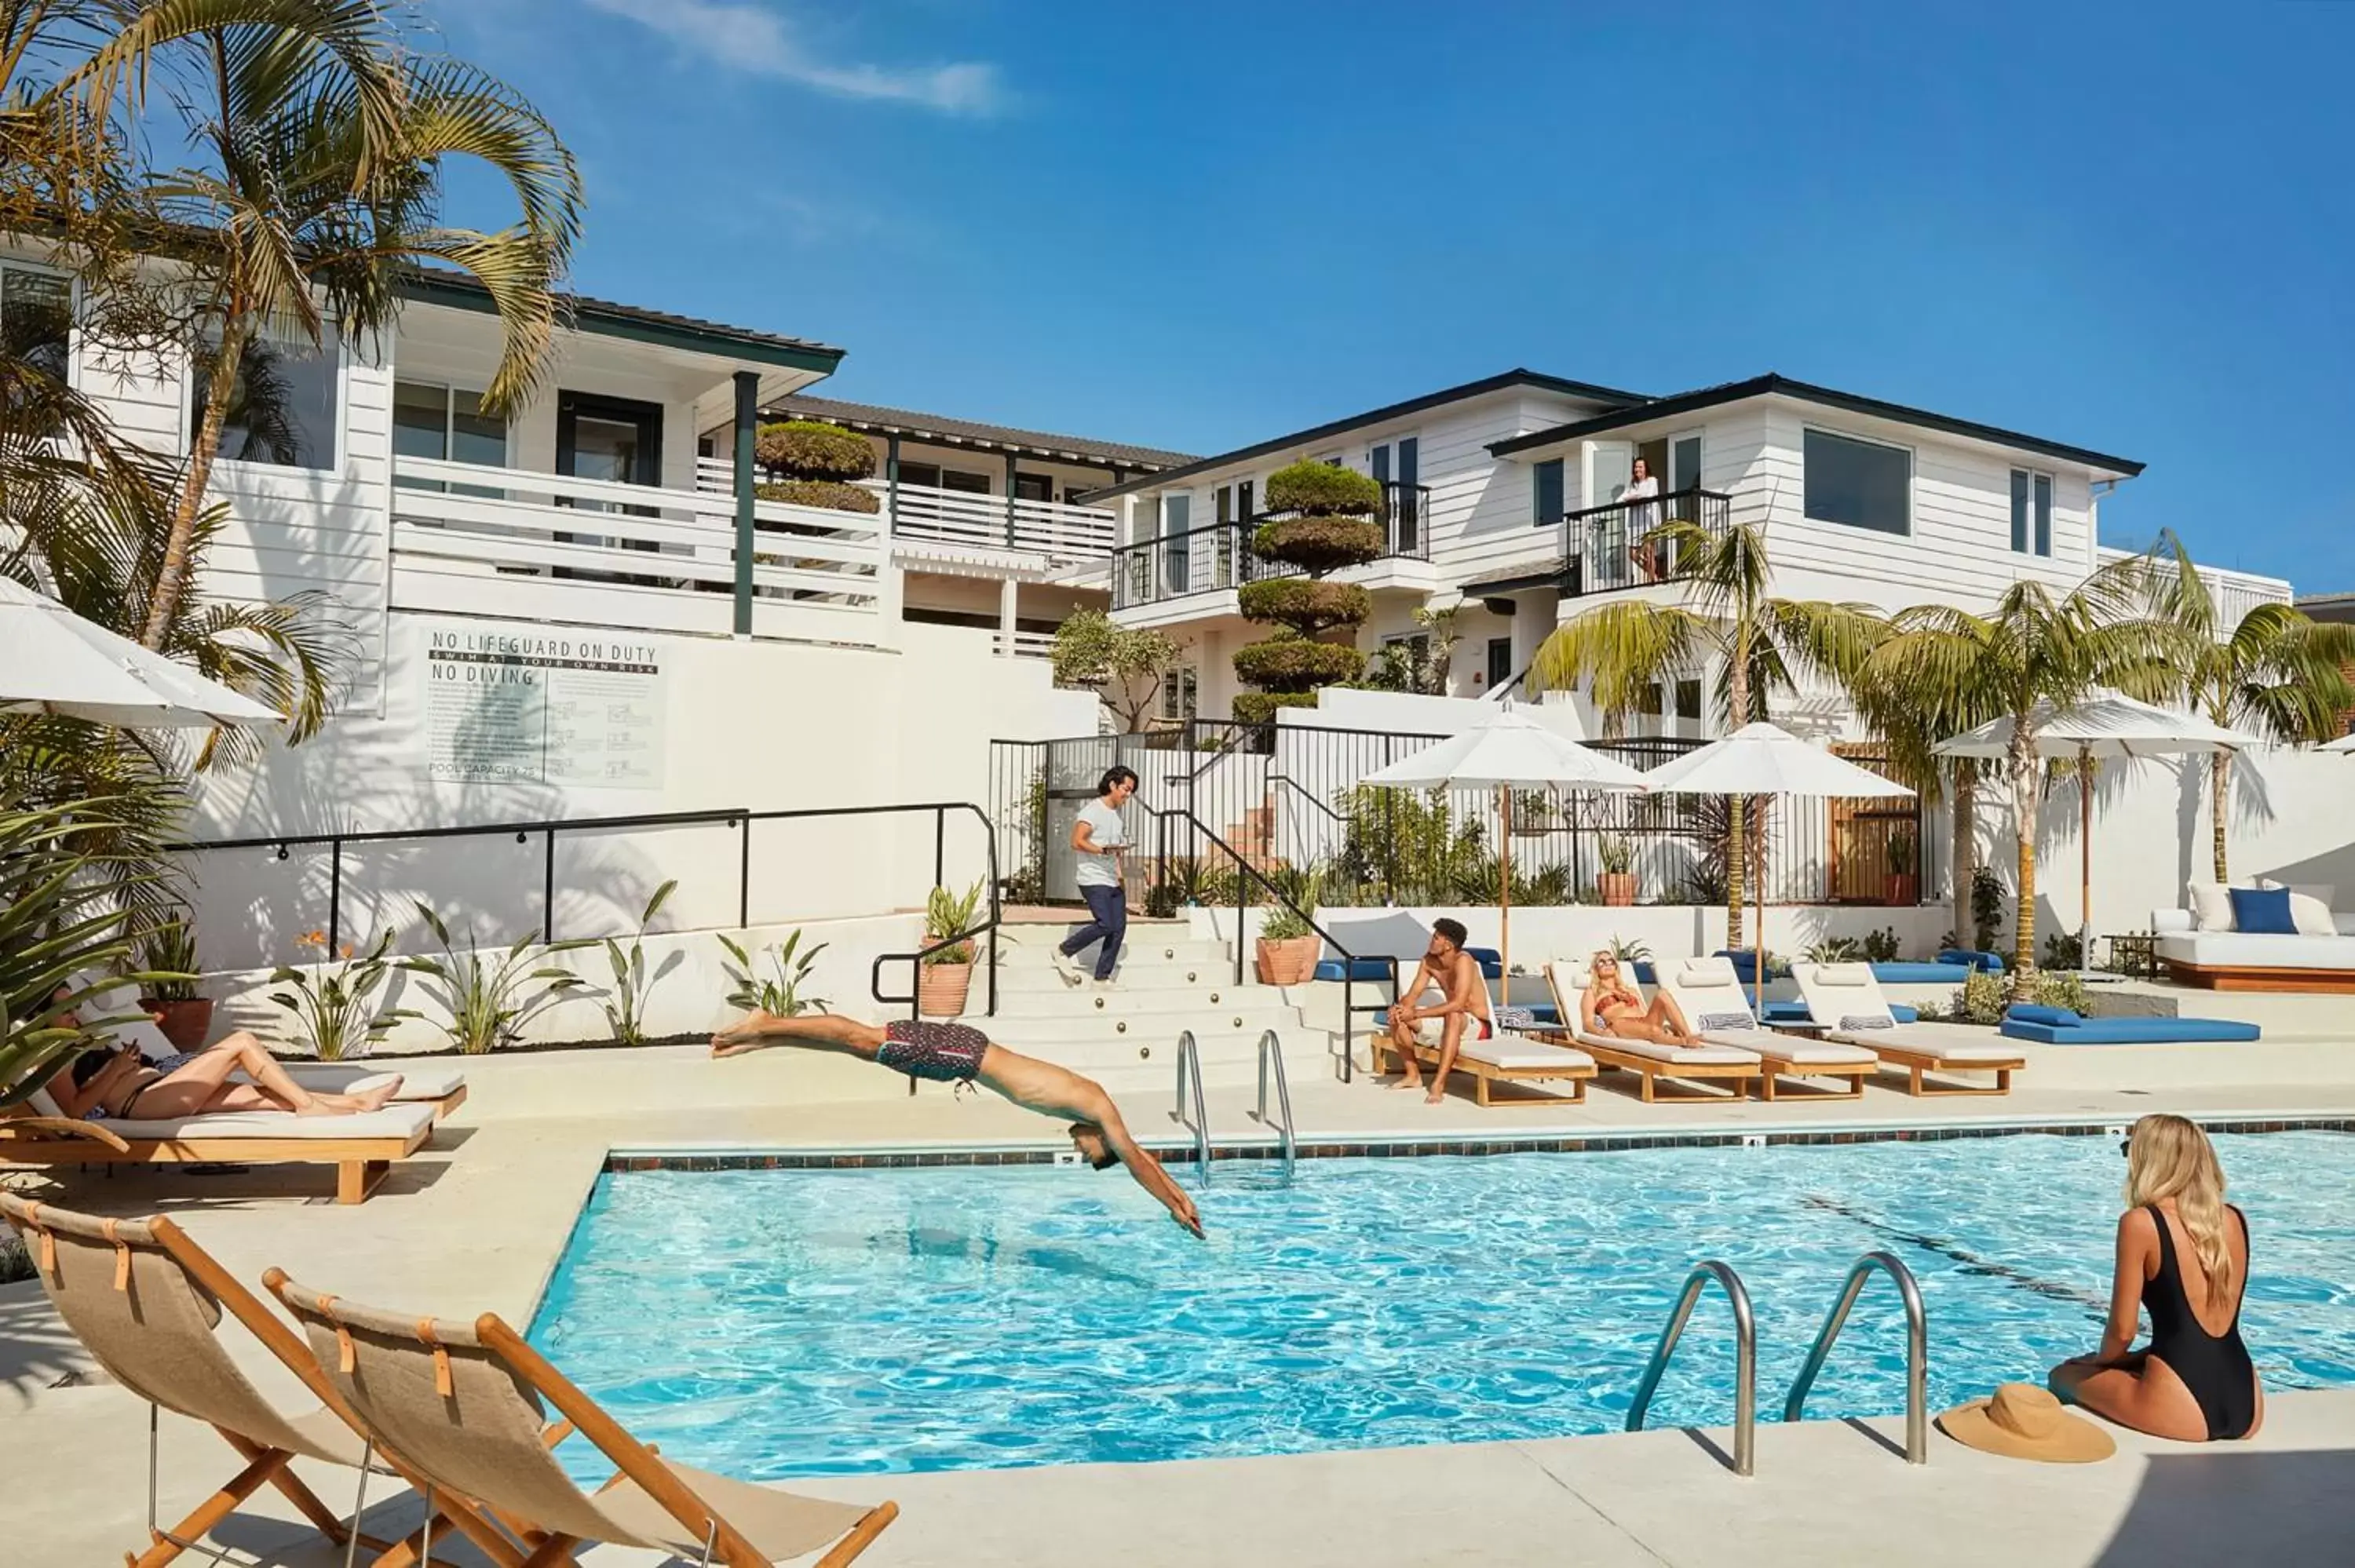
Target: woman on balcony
[1642, 515]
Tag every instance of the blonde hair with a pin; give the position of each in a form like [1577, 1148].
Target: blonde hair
[2171, 1158]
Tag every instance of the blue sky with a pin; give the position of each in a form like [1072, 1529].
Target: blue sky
[2125, 227]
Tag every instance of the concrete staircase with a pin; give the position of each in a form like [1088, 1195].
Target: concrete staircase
[1124, 1036]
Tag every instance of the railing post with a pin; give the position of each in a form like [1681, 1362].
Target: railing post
[548, 891]
[335, 895]
[744, 874]
[1009, 498]
[940, 847]
[892, 484]
[747, 420]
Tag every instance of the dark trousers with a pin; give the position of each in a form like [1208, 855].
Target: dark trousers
[1110, 924]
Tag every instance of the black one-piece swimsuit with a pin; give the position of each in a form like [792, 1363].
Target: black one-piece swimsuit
[2214, 1367]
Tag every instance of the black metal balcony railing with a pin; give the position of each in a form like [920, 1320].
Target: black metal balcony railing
[1206, 560]
[1606, 548]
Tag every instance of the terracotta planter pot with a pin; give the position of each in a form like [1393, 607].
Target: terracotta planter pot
[1617, 887]
[184, 1023]
[1904, 888]
[942, 989]
[1291, 960]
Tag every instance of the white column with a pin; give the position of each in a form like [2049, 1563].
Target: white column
[1008, 591]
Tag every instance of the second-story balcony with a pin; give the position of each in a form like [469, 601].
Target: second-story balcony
[1608, 548]
[1220, 558]
[922, 514]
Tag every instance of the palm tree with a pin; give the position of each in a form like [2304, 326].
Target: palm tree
[1759, 643]
[319, 143]
[2274, 673]
[2031, 648]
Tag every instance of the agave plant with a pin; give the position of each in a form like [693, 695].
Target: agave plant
[64, 937]
[778, 992]
[625, 1007]
[490, 997]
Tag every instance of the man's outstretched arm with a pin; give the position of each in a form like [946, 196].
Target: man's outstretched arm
[1091, 1103]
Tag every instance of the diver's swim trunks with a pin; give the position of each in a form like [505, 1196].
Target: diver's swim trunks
[943, 1052]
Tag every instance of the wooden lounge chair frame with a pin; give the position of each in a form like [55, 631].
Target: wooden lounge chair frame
[635, 1462]
[1779, 1065]
[1577, 1074]
[361, 1163]
[1914, 1060]
[264, 1465]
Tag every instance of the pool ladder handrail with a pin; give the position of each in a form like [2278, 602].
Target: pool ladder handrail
[1917, 1348]
[1272, 1048]
[1189, 1071]
[1745, 1361]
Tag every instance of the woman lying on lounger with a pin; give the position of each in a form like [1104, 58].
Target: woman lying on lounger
[118, 1081]
[1610, 1005]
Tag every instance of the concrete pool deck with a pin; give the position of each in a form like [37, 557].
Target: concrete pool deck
[477, 1223]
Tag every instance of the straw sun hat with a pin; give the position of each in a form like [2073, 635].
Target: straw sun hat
[2025, 1421]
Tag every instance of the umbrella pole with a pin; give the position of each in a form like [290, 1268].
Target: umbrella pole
[2085, 858]
[1758, 935]
[1504, 896]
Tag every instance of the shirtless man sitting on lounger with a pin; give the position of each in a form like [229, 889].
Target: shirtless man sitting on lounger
[1447, 969]
[1611, 1005]
[957, 1054]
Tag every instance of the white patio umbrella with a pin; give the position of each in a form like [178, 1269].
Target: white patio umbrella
[1507, 750]
[1761, 759]
[2105, 725]
[2344, 743]
[52, 661]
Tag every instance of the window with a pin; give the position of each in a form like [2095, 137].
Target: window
[284, 407]
[1178, 693]
[1546, 493]
[964, 483]
[1034, 487]
[1500, 662]
[444, 423]
[927, 474]
[1688, 699]
[36, 319]
[1858, 484]
[2031, 512]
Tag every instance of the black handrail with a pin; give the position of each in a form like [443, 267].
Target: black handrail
[1619, 545]
[735, 816]
[1348, 959]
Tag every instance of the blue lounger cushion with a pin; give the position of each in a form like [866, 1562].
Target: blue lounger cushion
[1991, 962]
[2130, 1030]
[1492, 962]
[2037, 1013]
[1797, 1012]
[1365, 969]
[1921, 974]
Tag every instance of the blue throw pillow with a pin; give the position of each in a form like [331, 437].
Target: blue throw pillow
[2034, 1013]
[2262, 911]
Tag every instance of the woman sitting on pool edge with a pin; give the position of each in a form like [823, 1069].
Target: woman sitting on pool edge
[1610, 1005]
[2183, 1254]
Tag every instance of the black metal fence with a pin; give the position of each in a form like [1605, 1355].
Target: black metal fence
[1606, 548]
[1291, 799]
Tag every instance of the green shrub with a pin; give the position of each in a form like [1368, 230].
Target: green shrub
[1161, 901]
[947, 915]
[1833, 950]
[1321, 490]
[1986, 908]
[825, 494]
[1282, 926]
[1881, 946]
[1616, 853]
[806, 449]
[1307, 605]
[1295, 663]
[2063, 951]
[1983, 996]
[1318, 544]
[1259, 708]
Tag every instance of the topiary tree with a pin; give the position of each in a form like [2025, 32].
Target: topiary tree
[1124, 665]
[1326, 524]
[813, 464]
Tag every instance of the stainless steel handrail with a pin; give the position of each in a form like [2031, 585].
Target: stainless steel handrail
[1917, 1350]
[1189, 1071]
[1746, 1364]
[1271, 1047]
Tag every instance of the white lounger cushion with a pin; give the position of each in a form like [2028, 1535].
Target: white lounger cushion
[1513, 1054]
[1940, 1040]
[1675, 1055]
[1836, 991]
[2258, 951]
[1793, 1048]
[418, 1083]
[395, 1121]
[1708, 987]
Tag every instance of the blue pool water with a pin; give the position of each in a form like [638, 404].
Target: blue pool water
[784, 1323]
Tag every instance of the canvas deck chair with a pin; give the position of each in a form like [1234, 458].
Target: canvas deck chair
[1718, 1008]
[463, 1403]
[1847, 1000]
[145, 1301]
[1649, 1060]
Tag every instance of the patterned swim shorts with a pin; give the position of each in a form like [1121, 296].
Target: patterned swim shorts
[943, 1052]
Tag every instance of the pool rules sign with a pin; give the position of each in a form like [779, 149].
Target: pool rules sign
[528, 705]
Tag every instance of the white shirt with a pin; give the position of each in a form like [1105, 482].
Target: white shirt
[1105, 832]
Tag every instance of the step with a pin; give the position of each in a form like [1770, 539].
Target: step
[1129, 1003]
[1186, 951]
[1227, 1059]
[1022, 1033]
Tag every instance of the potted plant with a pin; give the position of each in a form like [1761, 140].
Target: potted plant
[1904, 867]
[169, 954]
[1288, 947]
[945, 979]
[1617, 882]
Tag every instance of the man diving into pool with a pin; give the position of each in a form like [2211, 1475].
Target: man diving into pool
[957, 1054]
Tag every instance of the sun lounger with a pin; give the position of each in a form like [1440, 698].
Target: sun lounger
[2064, 1026]
[1719, 1009]
[1846, 999]
[1649, 1060]
[1506, 1057]
[361, 1147]
[443, 1087]
[143, 1300]
[462, 1402]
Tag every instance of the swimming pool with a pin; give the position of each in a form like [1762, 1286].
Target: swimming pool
[776, 1323]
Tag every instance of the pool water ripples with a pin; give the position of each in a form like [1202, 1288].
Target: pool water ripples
[784, 1323]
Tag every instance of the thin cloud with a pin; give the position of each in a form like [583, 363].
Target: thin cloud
[753, 37]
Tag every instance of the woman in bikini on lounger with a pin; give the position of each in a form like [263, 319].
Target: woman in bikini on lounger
[1613, 1006]
[119, 1083]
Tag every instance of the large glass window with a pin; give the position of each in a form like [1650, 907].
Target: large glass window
[284, 407]
[1858, 484]
[445, 423]
[2031, 512]
[36, 318]
[1546, 493]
